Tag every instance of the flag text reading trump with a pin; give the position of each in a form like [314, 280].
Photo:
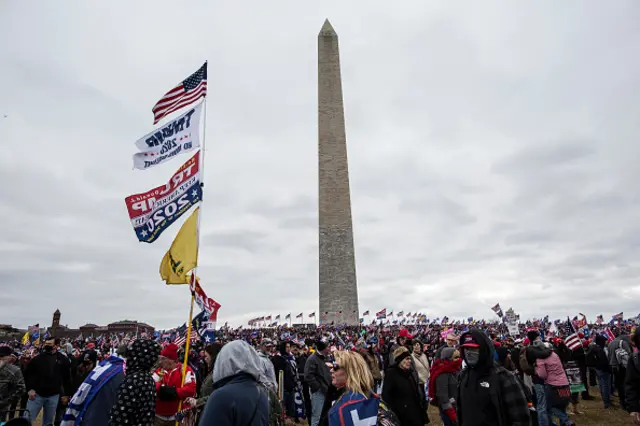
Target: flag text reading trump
[179, 135]
[154, 211]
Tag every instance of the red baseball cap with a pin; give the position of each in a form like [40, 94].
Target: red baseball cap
[468, 341]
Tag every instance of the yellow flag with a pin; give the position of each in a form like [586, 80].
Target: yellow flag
[25, 338]
[182, 257]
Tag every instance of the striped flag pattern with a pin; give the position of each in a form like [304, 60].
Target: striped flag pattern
[572, 340]
[185, 93]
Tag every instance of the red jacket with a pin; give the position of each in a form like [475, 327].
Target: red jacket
[174, 378]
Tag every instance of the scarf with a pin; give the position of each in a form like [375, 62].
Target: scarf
[439, 367]
[90, 388]
[298, 386]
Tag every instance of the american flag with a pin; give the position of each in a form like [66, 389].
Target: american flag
[365, 313]
[180, 340]
[609, 334]
[382, 314]
[299, 315]
[572, 340]
[312, 315]
[185, 93]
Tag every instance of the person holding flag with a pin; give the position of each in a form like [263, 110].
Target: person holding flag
[170, 388]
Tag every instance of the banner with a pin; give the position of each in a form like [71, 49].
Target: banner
[154, 211]
[182, 256]
[176, 137]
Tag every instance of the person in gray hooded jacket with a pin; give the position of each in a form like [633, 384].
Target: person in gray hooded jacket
[618, 349]
[237, 399]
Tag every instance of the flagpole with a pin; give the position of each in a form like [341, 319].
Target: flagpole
[186, 350]
[194, 271]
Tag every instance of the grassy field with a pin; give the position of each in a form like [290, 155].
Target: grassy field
[594, 414]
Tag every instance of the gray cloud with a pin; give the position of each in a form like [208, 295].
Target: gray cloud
[493, 156]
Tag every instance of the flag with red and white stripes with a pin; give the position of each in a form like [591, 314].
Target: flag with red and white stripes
[180, 340]
[382, 314]
[185, 93]
[572, 340]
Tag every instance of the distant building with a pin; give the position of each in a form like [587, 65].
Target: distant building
[131, 327]
[8, 333]
[93, 330]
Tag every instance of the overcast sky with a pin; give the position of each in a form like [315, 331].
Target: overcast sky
[493, 153]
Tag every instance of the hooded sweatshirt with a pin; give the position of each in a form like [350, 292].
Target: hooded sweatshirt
[237, 398]
[488, 394]
[136, 400]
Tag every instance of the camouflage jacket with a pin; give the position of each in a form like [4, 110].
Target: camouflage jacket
[11, 384]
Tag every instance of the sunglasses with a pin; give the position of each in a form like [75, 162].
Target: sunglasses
[336, 366]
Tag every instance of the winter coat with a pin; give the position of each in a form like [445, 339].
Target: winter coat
[268, 375]
[168, 405]
[598, 355]
[488, 392]
[238, 399]
[11, 385]
[632, 385]
[445, 376]
[301, 361]
[317, 374]
[528, 357]
[373, 363]
[421, 365]
[551, 370]
[136, 397]
[615, 344]
[400, 391]
[205, 391]
[281, 364]
[49, 373]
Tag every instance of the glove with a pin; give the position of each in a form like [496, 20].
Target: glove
[167, 393]
[451, 413]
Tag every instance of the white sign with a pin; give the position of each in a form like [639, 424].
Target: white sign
[174, 138]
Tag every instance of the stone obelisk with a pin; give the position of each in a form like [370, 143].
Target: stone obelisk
[338, 286]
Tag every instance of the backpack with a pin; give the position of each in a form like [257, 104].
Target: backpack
[622, 356]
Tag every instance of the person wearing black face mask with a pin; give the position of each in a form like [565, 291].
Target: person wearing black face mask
[488, 394]
[48, 378]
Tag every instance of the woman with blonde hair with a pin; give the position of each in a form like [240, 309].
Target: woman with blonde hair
[352, 377]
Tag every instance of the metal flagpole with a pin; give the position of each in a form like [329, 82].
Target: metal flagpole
[194, 271]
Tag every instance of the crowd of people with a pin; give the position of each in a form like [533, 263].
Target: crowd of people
[328, 376]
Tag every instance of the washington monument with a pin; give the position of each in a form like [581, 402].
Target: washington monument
[338, 285]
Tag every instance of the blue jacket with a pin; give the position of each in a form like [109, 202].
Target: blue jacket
[233, 402]
[237, 398]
